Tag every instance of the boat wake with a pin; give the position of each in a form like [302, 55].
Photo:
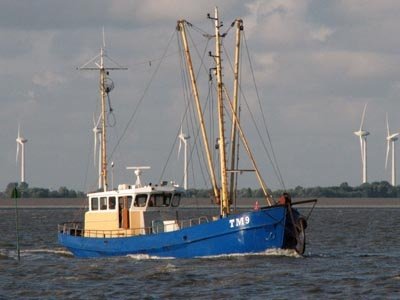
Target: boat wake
[32, 253]
[282, 252]
[59, 251]
[269, 253]
[4, 254]
[147, 257]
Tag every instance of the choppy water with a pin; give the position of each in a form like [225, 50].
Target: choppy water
[351, 254]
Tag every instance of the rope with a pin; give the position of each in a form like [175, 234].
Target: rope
[274, 162]
[141, 98]
[270, 158]
[186, 93]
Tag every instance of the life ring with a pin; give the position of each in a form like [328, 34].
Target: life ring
[301, 225]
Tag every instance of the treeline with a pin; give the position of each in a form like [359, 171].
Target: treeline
[35, 192]
[382, 189]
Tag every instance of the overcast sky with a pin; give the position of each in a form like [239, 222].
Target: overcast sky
[317, 63]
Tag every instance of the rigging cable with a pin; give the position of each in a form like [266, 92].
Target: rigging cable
[275, 161]
[271, 159]
[198, 141]
[185, 79]
[177, 134]
[110, 113]
[263, 115]
[142, 97]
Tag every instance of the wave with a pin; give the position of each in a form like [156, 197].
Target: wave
[35, 253]
[147, 257]
[50, 251]
[269, 252]
[4, 254]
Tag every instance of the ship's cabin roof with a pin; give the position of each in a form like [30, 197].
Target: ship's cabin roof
[136, 198]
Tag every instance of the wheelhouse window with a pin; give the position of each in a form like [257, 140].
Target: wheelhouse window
[167, 199]
[94, 203]
[176, 200]
[103, 203]
[111, 202]
[160, 200]
[140, 200]
[125, 202]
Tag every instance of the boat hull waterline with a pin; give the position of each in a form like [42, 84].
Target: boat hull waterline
[249, 232]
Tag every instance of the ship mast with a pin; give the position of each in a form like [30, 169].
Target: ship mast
[182, 30]
[239, 29]
[221, 123]
[105, 87]
[223, 194]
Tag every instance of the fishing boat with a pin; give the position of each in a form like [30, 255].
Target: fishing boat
[146, 219]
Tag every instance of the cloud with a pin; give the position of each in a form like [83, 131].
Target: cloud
[314, 62]
[321, 34]
[353, 64]
[47, 79]
[279, 22]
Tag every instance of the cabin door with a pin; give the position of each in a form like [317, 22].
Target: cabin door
[123, 212]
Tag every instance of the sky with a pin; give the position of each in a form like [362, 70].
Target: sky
[317, 63]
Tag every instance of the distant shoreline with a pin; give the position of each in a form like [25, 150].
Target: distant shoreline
[58, 203]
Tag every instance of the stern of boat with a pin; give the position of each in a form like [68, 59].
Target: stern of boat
[296, 224]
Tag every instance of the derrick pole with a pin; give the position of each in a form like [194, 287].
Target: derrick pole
[181, 28]
[221, 124]
[239, 29]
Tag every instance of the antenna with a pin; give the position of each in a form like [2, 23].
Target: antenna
[106, 86]
[138, 172]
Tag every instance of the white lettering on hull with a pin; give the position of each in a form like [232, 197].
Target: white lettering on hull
[237, 222]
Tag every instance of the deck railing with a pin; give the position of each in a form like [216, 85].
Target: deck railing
[76, 229]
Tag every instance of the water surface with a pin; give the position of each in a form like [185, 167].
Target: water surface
[352, 253]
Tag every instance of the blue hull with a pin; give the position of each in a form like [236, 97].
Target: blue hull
[249, 232]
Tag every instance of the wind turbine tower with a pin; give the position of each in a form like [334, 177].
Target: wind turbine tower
[97, 132]
[390, 141]
[183, 139]
[21, 142]
[362, 134]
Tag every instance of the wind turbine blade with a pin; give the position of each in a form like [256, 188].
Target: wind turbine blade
[19, 132]
[17, 154]
[180, 136]
[180, 146]
[98, 121]
[387, 124]
[363, 116]
[94, 148]
[362, 150]
[95, 140]
[387, 153]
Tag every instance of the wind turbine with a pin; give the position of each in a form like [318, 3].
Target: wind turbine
[391, 139]
[362, 134]
[183, 138]
[97, 136]
[21, 142]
